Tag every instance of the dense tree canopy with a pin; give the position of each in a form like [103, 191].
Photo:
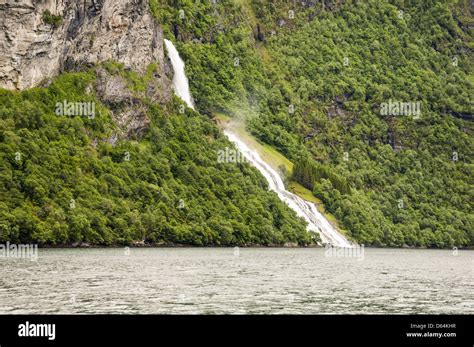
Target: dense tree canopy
[312, 78]
[318, 80]
[62, 181]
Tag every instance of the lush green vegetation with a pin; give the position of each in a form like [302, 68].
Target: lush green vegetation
[309, 173]
[311, 81]
[63, 182]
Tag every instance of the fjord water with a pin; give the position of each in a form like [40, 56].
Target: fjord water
[248, 280]
[307, 210]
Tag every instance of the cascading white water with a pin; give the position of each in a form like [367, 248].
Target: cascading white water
[180, 81]
[307, 210]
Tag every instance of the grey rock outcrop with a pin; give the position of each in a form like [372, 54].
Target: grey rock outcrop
[84, 33]
[128, 111]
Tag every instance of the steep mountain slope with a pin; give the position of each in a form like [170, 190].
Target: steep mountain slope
[105, 155]
[371, 99]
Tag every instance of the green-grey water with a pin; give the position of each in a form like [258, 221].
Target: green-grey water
[237, 281]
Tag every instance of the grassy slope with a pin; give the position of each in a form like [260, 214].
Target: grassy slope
[276, 160]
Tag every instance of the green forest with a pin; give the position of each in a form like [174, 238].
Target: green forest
[63, 182]
[310, 79]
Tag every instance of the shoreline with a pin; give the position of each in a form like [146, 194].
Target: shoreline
[174, 245]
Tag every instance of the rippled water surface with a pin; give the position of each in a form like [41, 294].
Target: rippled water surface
[224, 280]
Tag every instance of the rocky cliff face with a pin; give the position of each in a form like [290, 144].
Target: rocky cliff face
[42, 38]
[76, 34]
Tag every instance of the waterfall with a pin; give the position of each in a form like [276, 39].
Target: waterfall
[180, 81]
[307, 210]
